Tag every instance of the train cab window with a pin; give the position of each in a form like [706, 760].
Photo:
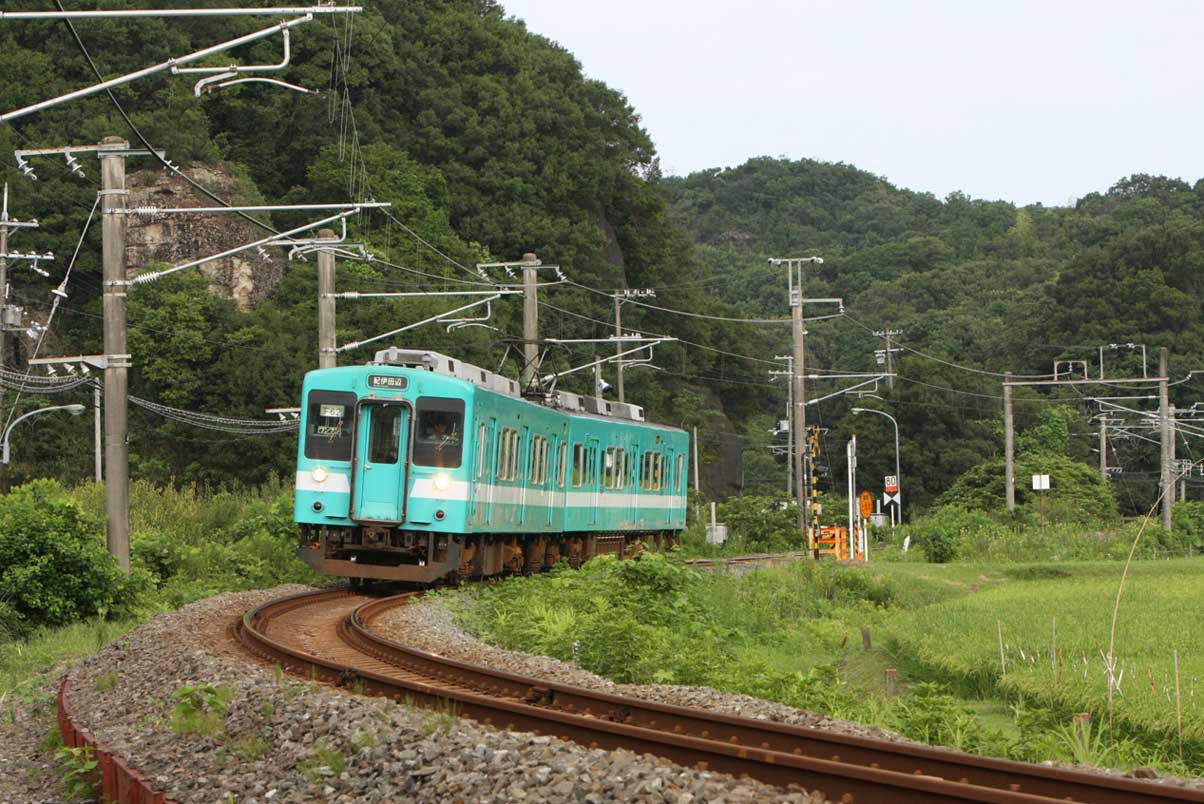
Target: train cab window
[439, 438]
[328, 424]
[384, 438]
[564, 461]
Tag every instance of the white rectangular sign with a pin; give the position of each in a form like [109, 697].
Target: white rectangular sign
[1040, 482]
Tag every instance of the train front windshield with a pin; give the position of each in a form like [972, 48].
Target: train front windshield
[439, 437]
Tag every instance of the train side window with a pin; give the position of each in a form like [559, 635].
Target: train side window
[578, 464]
[646, 471]
[620, 468]
[506, 455]
[564, 461]
[608, 468]
[328, 435]
[539, 460]
[591, 465]
[681, 467]
[657, 468]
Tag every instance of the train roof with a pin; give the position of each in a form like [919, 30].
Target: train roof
[575, 404]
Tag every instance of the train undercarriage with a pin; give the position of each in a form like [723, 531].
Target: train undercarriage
[422, 557]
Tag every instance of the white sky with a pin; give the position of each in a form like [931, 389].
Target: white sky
[1024, 100]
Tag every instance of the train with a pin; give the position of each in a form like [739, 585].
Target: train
[421, 468]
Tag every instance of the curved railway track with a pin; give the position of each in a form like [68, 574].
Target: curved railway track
[329, 635]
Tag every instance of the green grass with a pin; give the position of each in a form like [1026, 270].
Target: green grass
[958, 639]
[792, 633]
[25, 665]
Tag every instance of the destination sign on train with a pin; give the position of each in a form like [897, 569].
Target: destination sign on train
[386, 381]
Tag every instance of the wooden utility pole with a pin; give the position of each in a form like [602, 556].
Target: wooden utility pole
[113, 152]
[1164, 419]
[1009, 445]
[327, 357]
[528, 375]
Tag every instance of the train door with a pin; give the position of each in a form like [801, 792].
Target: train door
[551, 453]
[480, 476]
[492, 469]
[631, 488]
[667, 487]
[524, 474]
[594, 477]
[380, 465]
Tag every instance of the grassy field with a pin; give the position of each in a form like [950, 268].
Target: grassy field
[958, 638]
[793, 634]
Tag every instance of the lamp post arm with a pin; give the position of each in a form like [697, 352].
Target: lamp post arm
[4, 447]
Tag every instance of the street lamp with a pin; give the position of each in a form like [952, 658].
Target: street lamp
[898, 477]
[74, 410]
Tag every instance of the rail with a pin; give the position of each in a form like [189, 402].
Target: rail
[846, 767]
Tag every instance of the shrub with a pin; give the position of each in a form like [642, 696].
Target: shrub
[55, 568]
[762, 523]
[940, 533]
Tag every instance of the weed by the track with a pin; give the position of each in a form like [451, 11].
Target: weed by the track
[322, 762]
[201, 709]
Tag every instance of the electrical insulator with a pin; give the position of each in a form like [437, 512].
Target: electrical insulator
[74, 165]
[26, 169]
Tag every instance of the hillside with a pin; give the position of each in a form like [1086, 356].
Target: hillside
[489, 142]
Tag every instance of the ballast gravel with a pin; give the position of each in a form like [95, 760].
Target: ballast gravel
[289, 740]
[429, 625]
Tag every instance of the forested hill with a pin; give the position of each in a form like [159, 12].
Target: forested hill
[977, 287]
[490, 142]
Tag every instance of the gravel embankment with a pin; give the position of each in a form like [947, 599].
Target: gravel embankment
[429, 625]
[27, 770]
[286, 740]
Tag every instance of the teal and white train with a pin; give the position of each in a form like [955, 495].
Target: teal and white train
[417, 467]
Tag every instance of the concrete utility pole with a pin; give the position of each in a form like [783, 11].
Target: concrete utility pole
[116, 285]
[1103, 448]
[9, 316]
[1009, 443]
[619, 389]
[97, 441]
[1164, 419]
[890, 360]
[798, 419]
[789, 373]
[527, 377]
[327, 356]
[696, 486]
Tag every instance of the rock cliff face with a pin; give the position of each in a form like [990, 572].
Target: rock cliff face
[247, 277]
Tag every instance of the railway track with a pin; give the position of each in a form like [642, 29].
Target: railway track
[328, 635]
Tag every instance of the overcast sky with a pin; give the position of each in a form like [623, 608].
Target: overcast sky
[1022, 100]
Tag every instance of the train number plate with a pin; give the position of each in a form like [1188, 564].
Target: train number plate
[386, 381]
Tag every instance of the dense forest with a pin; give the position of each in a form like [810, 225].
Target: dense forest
[489, 142]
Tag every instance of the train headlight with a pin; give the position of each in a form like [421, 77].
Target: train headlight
[319, 475]
[442, 482]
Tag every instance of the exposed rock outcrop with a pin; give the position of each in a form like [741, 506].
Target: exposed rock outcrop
[247, 277]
